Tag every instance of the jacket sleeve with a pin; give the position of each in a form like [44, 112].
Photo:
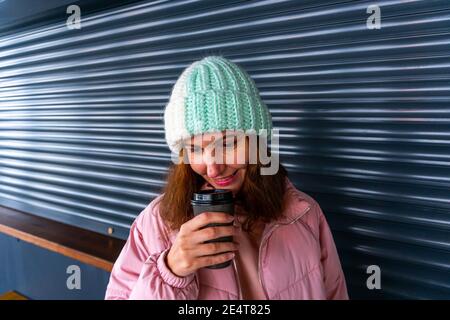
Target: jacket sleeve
[140, 272]
[334, 279]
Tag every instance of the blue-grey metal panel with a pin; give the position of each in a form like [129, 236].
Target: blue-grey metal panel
[363, 114]
[40, 274]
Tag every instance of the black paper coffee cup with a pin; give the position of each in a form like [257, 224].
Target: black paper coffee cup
[215, 200]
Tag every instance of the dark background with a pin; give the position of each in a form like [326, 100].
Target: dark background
[363, 114]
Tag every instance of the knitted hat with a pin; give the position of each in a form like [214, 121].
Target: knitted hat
[211, 95]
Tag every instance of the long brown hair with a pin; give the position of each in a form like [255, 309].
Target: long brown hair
[261, 196]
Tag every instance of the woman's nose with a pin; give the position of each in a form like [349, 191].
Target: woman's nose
[214, 170]
[213, 167]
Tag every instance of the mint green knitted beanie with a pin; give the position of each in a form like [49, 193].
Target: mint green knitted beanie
[211, 95]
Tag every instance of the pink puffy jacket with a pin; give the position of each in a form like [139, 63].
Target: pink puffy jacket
[297, 260]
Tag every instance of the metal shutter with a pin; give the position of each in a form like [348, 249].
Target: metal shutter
[363, 114]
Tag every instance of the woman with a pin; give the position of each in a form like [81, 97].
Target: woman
[282, 248]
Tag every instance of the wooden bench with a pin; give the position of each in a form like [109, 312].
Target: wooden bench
[86, 246]
[12, 295]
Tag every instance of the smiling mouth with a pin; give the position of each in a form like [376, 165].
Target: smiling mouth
[226, 178]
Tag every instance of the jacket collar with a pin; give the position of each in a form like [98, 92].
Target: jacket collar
[296, 204]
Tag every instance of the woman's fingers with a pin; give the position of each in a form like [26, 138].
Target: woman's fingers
[212, 233]
[213, 248]
[216, 259]
[205, 218]
[189, 252]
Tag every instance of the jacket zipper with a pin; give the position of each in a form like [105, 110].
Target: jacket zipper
[261, 244]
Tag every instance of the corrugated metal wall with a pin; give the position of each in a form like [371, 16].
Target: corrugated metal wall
[363, 114]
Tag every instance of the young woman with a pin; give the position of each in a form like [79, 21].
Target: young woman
[282, 248]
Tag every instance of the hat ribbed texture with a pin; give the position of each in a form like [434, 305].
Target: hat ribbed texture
[213, 94]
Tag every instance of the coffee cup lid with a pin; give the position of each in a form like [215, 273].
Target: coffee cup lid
[216, 195]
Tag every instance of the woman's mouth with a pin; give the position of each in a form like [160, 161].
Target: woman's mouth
[225, 181]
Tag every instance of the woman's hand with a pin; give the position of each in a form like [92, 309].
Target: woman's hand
[188, 252]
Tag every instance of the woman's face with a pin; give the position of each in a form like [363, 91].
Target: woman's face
[220, 158]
